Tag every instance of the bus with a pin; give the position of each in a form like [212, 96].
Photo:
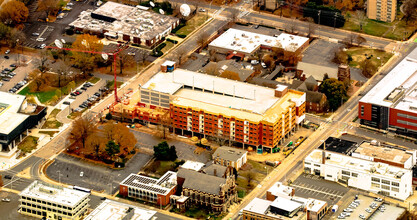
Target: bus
[82, 189]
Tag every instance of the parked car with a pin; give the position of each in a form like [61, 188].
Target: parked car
[79, 91]
[35, 34]
[201, 10]
[6, 57]
[66, 103]
[263, 65]
[6, 79]
[7, 52]
[40, 39]
[13, 65]
[72, 97]
[97, 94]
[43, 46]
[5, 200]
[254, 62]
[84, 88]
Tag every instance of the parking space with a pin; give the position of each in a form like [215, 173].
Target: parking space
[311, 186]
[9, 210]
[75, 171]
[184, 150]
[365, 207]
[11, 76]
[321, 52]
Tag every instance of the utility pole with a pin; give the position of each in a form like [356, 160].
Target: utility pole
[319, 21]
[334, 23]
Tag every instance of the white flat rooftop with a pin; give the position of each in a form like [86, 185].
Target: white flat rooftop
[10, 105]
[258, 205]
[192, 165]
[286, 204]
[227, 93]
[112, 210]
[353, 163]
[248, 42]
[403, 76]
[54, 194]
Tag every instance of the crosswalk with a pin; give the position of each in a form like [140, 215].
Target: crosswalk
[243, 14]
[217, 12]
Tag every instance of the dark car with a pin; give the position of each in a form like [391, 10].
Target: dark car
[6, 79]
[66, 103]
[8, 177]
[13, 65]
[97, 94]
[6, 57]
[7, 69]
[84, 88]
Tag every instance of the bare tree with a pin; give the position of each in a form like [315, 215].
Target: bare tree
[410, 10]
[48, 6]
[202, 39]
[181, 54]
[291, 26]
[312, 27]
[360, 18]
[42, 61]
[350, 40]
[143, 55]
[234, 13]
[124, 60]
[249, 177]
[164, 123]
[360, 40]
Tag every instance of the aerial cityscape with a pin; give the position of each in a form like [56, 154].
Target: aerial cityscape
[208, 109]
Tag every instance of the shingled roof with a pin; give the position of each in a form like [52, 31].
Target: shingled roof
[201, 182]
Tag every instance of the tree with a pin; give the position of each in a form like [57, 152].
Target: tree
[181, 54]
[87, 61]
[82, 129]
[48, 6]
[71, 86]
[202, 39]
[291, 26]
[16, 37]
[95, 141]
[325, 76]
[143, 55]
[121, 135]
[4, 31]
[410, 10]
[350, 40]
[42, 61]
[360, 40]
[312, 27]
[37, 81]
[162, 151]
[14, 12]
[173, 153]
[58, 93]
[360, 18]
[124, 60]
[335, 92]
[368, 67]
[340, 56]
[249, 177]
[164, 123]
[234, 13]
[112, 148]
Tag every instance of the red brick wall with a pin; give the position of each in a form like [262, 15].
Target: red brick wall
[123, 190]
[367, 115]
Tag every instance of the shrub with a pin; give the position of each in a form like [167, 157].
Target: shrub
[182, 35]
[172, 41]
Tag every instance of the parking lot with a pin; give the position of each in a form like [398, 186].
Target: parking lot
[311, 186]
[67, 169]
[10, 75]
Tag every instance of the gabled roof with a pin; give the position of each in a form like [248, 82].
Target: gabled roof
[314, 97]
[201, 182]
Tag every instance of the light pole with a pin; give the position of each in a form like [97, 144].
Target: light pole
[319, 21]
[110, 184]
[59, 176]
[18, 57]
[334, 23]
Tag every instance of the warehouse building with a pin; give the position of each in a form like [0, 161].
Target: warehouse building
[122, 22]
[376, 177]
[392, 103]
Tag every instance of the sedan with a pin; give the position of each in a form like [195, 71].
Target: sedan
[13, 65]
[6, 79]
[84, 88]
[7, 52]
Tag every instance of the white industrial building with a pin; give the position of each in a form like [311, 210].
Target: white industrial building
[376, 177]
[43, 200]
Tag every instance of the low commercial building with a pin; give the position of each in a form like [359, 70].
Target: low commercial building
[376, 177]
[248, 43]
[157, 191]
[122, 22]
[284, 208]
[229, 156]
[112, 210]
[279, 190]
[43, 200]
[197, 104]
[16, 117]
[216, 193]
[192, 165]
[392, 104]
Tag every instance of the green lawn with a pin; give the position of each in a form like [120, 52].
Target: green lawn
[43, 97]
[94, 80]
[51, 122]
[192, 24]
[168, 46]
[396, 30]
[28, 144]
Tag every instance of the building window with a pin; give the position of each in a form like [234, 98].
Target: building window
[395, 184]
[374, 179]
[344, 172]
[354, 174]
[386, 182]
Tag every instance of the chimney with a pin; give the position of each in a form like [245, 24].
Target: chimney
[280, 91]
[215, 172]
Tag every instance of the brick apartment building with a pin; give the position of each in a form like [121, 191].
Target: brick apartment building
[204, 105]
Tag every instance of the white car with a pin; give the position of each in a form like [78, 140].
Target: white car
[346, 213]
[368, 210]
[131, 54]
[7, 52]
[254, 62]
[70, 4]
[201, 10]
[81, 173]
[361, 216]
[348, 210]
[40, 39]
[43, 46]
[5, 200]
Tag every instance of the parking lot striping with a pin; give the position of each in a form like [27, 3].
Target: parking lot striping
[310, 189]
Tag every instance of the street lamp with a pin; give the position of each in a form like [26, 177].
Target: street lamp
[18, 57]
[334, 23]
[319, 21]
